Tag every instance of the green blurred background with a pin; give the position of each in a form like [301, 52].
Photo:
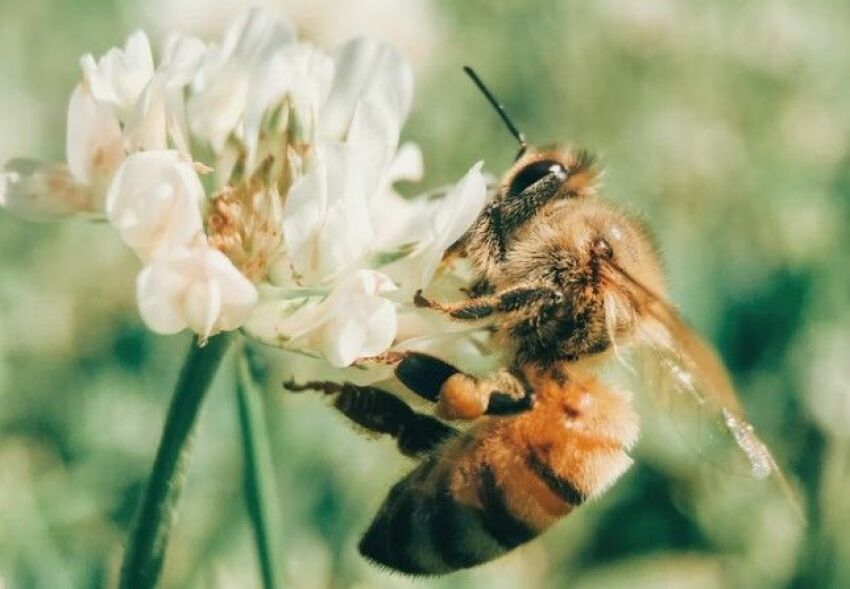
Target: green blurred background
[727, 124]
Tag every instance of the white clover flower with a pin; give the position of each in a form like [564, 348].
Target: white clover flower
[154, 202]
[118, 78]
[299, 235]
[197, 288]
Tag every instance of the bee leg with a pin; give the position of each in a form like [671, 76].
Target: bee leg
[464, 396]
[384, 413]
[524, 300]
[459, 395]
[516, 211]
[424, 374]
[479, 288]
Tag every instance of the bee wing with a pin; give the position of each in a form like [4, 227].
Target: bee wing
[690, 372]
[694, 384]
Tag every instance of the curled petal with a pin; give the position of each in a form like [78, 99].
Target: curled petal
[154, 201]
[459, 208]
[221, 86]
[398, 220]
[159, 289]
[370, 72]
[160, 111]
[146, 128]
[202, 306]
[118, 78]
[374, 134]
[437, 225]
[215, 111]
[37, 191]
[256, 34]
[181, 58]
[327, 226]
[94, 146]
[196, 288]
[408, 164]
[299, 73]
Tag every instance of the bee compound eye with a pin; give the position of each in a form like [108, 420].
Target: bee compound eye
[533, 173]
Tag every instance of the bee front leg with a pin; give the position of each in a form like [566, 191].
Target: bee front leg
[523, 300]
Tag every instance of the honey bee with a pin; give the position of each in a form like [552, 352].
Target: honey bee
[564, 278]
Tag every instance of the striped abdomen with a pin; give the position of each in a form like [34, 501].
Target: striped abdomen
[502, 484]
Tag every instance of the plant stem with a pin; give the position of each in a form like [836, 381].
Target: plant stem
[146, 549]
[260, 485]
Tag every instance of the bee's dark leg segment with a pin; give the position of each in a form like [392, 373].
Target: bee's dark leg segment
[504, 404]
[422, 435]
[520, 298]
[472, 312]
[511, 393]
[384, 413]
[479, 288]
[461, 396]
[327, 387]
[424, 374]
[523, 299]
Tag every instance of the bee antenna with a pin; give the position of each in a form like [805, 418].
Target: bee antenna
[491, 98]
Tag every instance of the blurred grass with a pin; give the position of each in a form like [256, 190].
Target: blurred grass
[725, 124]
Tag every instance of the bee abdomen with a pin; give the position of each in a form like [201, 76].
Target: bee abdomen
[389, 539]
[422, 529]
[499, 521]
[431, 527]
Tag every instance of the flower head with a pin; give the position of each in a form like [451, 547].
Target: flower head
[254, 180]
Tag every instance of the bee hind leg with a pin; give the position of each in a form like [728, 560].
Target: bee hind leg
[462, 396]
[382, 412]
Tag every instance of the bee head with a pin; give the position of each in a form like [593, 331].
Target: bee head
[560, 171]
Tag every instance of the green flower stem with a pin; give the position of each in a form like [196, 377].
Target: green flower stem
[146, 549]
[260, 485]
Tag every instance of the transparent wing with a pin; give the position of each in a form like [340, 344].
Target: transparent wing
[708, 415]
[694, 386]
